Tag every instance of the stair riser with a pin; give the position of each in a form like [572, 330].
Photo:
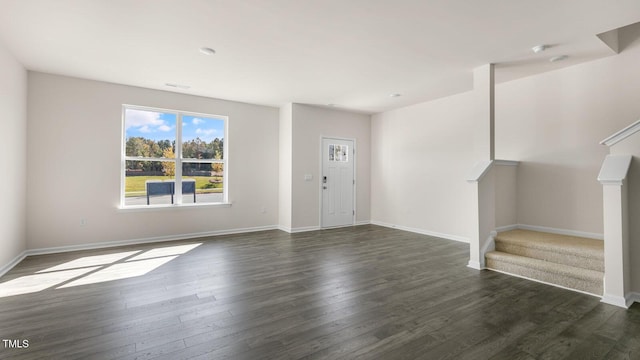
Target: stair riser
[593, 287]
[584, 262]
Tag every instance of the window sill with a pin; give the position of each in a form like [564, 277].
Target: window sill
[138, 208]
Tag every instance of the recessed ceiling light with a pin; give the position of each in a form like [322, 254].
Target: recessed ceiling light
[558, 58]
[539, 48]
[207, 51]
[332, 105]
[395, 95]
[184, 87]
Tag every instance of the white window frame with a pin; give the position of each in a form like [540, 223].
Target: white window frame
[178, 160]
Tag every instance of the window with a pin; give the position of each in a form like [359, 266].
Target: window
[173, 158]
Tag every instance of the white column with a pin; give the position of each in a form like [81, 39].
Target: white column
[482, 175]
[484, 90]
[617, 272]
[286, 167]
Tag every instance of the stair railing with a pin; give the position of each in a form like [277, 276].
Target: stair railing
[615, 177]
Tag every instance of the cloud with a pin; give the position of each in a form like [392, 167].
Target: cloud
[145, 121]
[197, 121]
[140, 118]
[205, 132]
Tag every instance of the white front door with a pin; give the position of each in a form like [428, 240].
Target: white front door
[337, 182]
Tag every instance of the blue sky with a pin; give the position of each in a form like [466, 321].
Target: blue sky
[162, 126]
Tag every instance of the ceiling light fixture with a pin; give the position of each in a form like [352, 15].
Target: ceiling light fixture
[184, 87]
[207, 51]
[395, 95]
[558, 58]
[539, 48]
[332, 105]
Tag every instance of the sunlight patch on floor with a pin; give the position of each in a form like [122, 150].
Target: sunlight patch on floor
[95, 269]
[121, 271]
[91, 261]
[38, 282]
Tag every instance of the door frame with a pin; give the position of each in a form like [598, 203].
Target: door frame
[355, 179]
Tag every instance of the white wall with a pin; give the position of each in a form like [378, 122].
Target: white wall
[553, 124]
[74, 132]
[420, 159]
[310, 124]
[13, 106]
[506, 193]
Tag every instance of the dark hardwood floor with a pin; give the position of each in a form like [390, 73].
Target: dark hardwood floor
[356, 293]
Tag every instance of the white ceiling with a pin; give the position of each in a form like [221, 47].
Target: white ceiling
[352, 53]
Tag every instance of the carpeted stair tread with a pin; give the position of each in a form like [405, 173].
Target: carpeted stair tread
[564, 275]
[554, 241]
[560, 249]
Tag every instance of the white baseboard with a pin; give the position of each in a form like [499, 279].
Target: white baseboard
[623, 302]
[551, 230]
[475, 265]
[507, 228]
[634, 297]
[298, 229]
[5, 269]
[315, 228]
[357, 223]
[304, 229]
[422, 231]
[561, 231]
[105, 245]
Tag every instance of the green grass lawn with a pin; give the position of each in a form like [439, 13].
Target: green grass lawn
[135, 185]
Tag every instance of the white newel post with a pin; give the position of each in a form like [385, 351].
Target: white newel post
[616, 230]
[482, 178]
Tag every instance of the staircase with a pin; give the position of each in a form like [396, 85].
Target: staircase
[568, 261]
